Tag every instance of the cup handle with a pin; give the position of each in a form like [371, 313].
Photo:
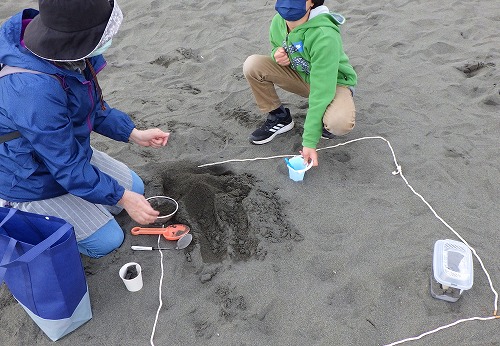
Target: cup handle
[309, 165]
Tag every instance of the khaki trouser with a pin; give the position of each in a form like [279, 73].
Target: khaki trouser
[263, 74]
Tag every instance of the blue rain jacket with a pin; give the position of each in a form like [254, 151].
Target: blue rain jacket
[55, 117]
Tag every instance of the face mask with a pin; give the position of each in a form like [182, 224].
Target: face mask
[101, 50]
[291, 10]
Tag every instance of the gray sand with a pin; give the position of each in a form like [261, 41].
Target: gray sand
[342, 258]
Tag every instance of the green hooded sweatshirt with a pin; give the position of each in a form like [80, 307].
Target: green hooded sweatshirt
[315, 52]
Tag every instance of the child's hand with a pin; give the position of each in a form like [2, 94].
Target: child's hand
[309, 154]
[281, 57]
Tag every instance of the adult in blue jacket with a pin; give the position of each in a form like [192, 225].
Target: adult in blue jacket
[50, 102]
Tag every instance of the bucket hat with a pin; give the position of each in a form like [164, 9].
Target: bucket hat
[70, 30]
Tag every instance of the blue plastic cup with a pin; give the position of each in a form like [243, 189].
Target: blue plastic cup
[297, 168]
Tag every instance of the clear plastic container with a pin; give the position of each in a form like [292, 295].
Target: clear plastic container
[452, 264]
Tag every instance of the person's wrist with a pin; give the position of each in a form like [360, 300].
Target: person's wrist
[133, 135]
[121, 201]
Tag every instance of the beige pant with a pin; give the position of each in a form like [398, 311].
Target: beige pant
[263, 74]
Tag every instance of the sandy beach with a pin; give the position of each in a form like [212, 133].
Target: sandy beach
[342, 258]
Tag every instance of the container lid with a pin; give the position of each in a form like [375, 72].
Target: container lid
[452, 264]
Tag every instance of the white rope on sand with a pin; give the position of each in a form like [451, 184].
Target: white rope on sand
[159, 294]
[443, 327]
[399, 172]
[243, 160]
[282, 156]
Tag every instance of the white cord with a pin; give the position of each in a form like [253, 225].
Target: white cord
[443, 327]
[159, 294]
[399, 172]
[242, 160]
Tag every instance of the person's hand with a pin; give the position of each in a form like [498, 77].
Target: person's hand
[281, 57]
[138, 208]
[309, 154]
[154, 138]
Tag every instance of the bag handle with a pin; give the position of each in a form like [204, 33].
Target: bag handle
[11, 213]
[31, 254]
[6, 257]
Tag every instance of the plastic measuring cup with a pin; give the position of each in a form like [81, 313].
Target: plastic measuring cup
[297, 168]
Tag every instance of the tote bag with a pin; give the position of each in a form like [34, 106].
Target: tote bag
[41, 266]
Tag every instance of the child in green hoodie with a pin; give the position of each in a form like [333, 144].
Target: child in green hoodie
[307, 59]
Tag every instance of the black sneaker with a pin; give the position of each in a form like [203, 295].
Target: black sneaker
[327, 134]
[273, 126]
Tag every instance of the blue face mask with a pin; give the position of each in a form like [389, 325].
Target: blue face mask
[291, 10]
[102, 49]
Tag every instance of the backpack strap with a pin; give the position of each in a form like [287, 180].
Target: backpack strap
[13, 69]
[9, 136]
[6, 70]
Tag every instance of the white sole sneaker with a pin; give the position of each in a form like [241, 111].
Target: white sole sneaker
[277, 130]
